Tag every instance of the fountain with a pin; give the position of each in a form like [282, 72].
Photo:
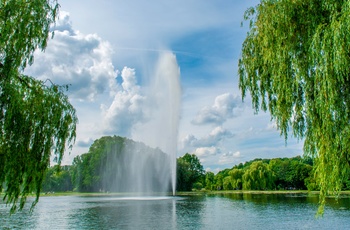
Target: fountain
[168, 94]
[140, 169]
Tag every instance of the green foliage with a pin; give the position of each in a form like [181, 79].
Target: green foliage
[295, 63]
[226, 183]
[87, 174]
[347, 183]
[268, 174]
[311, 184]
[236, 178]
[183, 181]
[219, 181]
[107, 168]
[91, 168]
[197, 186]
[36, 119]
[209, 181]
[24, 27]
[258, 177]
[189, 171]
[290, 173]
[57, 179]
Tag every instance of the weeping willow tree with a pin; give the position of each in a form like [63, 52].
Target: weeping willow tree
[295, 62]
[36, 118]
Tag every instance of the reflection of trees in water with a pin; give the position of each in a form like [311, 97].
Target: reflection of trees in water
[289, 199]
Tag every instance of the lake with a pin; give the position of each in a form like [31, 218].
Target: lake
[221, 211]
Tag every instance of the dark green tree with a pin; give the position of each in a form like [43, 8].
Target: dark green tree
[290, 173]
[295, 63]
[36, 118]
[183, 182]
[115, 164]
[189, 171]
[57, 179]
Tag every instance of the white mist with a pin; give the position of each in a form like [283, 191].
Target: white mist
[168, 93]
[164, 105]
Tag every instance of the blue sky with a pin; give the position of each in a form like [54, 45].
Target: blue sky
[109, 51]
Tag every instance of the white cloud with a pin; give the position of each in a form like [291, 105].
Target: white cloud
[148, 113]
[203, 152]
[63, 23]
[217, 135]
[82, 61]
[229, 158]
[144, 23]
[138, 32]
[128, 108]
[225, 106]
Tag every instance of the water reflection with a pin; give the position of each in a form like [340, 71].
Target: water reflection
[226, 211]
[123, 213]
[289, 199]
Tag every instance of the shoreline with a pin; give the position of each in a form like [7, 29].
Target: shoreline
[191, 193]
[257, 192]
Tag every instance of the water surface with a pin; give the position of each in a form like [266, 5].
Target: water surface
[229, 211]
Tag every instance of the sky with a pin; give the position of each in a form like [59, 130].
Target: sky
[111, 52]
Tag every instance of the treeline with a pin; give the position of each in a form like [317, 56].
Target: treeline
[259, 174]
[112, 164]
[117, 164]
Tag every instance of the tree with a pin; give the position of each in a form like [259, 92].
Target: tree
[227, 183]
[236, 178]
[189, 171]
[209, 180]
[258, 177]
[182, 175]
[290, 172]
[57, 179]
[295, 63]
[118, 164]
[36, 118]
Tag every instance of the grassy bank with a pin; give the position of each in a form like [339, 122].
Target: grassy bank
[195, 193]
[191, 193]
[306, 192]
[244, 192]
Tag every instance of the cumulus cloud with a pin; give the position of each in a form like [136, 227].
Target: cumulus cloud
[229, 158]
[82, 61]
[128, 106]
[207, 147]
[203, 152]
[214, 138]
[63, 23]
[225, 106]
[149, 113]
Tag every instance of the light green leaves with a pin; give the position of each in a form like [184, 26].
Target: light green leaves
[294, 63]
[36, 120]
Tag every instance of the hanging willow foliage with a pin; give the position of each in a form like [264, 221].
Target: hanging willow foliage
[295, 62]
[36, 119]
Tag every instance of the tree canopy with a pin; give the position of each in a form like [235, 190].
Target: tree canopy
[295, 63]
[189, 171]
[98, 170]
[118, 164]
[36, 117]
